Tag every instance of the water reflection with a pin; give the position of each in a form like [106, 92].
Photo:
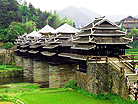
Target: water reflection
[14, 80]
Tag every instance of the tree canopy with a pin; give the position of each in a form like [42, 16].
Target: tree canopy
[16, 19]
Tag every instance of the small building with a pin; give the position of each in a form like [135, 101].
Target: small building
[129, 23]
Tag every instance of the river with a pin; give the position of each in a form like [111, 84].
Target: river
[14, 80]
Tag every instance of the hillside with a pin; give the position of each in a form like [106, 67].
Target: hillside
[116, 18]
[81, 16]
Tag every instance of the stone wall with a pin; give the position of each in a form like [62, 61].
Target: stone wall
[59, 75]
[102, 78]
[28, 68]
[117, 82]
[41, 71]
[18, 61]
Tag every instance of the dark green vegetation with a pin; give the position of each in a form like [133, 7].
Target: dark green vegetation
[134, 44]
[10, 71]
[16, 19]
[32, 94]
[9, 67]
[134, 33]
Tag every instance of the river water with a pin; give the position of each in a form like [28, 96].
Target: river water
[14, 80]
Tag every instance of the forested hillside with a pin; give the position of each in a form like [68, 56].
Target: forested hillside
[16, 19]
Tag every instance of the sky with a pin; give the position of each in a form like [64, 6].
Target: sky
[102, 7]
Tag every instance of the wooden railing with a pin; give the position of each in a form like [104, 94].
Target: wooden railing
[130, 57]
[126, 63]
[107, 60]
[118, 68]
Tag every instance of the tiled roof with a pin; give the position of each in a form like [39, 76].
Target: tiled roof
[50, 46]
[46, 29]
[110, 40]
[32, 51]
[73, 56]
[83, 47]
[46, 53]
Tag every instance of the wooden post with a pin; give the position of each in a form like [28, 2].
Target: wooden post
[129, 90]
[96, 59]
[135, 96]
[119, 58]
[121, 69]
[106, 59]
[87, 58]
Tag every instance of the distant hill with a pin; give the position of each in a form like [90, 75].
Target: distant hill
[116, 18]
[81, 16]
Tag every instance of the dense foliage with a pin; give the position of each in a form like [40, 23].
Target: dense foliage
[16, 19]
[133, 33]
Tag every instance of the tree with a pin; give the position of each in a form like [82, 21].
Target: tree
[133, 32]
[28, 26]
[14, 31]
[8, 45]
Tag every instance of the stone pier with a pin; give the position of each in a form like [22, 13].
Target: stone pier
[102, 78]
[28, 68]
[41, 71]
[59, 75]
[18, 61]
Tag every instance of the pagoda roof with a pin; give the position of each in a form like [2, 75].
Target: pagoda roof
[50, 46]
[85, 39]
[68, 42]
[57, 40]
[97, 24]
[83, 47]
[73, 56]
[129, 18]
[108, 33]
[46, 29]
[23, 46]
[22, 50]
[16, 50]
[64, 35]
[34, 34]
[66, 29]
[32, 51]
[84, 33]
[46, 53]
[35, 46]
[110, 40]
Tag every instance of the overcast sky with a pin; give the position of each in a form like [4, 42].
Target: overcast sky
[102, 7]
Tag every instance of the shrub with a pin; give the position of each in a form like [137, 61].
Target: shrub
[72, 84]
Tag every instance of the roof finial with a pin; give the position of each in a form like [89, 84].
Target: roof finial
[47, 21]
[65, 19]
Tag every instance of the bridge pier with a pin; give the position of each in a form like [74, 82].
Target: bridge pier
[18, 60]
[41, 71]
[59, 75]
[28, 68]
[102, 78]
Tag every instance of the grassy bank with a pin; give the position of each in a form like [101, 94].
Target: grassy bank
[133, 51]
[31, 94]
[69, 97]
[10, 71]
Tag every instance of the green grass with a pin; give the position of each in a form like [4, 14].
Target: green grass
[9, 67]
[62, 98]
[30, 93]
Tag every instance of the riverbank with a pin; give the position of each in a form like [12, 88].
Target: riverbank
[30, 93]
[7, 71]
